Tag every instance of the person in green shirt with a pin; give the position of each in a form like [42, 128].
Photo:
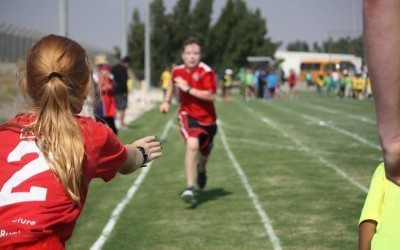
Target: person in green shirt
[348, 84]
[308, 79]
[328, 83]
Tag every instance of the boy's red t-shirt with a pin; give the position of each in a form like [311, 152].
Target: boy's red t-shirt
[33, 202]
[201, 77]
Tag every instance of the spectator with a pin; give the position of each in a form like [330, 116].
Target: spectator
[106, 109]
[166, 78]
[120, 74]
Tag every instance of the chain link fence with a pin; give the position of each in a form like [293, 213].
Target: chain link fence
[15, 42]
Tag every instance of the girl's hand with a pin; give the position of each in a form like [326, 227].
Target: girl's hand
[151, 145]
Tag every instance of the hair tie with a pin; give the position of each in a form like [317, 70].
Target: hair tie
[54, 74]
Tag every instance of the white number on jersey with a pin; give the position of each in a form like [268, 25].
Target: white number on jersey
[33, 168]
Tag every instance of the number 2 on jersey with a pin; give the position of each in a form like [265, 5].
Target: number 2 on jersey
[31, 169]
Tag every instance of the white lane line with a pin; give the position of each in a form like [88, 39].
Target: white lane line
[292, 148]
[263, 144]
[327, 124]
[342, 131]
[231, 127]
[310, 152]
[337, 112]
[264, 217]
[107, 230]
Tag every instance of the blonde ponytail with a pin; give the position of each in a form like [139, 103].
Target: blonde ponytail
[57, 80]
[59, 137]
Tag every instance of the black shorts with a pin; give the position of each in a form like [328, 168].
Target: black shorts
[121, 101]
[192, 128]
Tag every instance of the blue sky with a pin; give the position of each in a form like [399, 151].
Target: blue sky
[99, 22]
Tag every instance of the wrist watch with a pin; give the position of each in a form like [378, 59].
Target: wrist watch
[144, 154]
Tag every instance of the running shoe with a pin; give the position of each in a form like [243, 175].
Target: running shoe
[201, 179]
[188, 195]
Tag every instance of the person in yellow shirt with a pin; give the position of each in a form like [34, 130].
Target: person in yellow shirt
[166, 78]
[358, 86]
[380, 218]
[228, 80]
[320, 84]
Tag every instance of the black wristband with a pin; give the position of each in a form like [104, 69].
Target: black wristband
[144, 154]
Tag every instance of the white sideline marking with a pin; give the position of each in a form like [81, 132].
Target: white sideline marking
[339, 130]
[121, 205]
[310, 153]
[266, 221]
[334, 111]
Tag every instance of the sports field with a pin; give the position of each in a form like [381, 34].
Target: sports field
[284, 174]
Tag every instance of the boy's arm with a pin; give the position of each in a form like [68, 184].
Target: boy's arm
[382, 49]
[205, 95]
[366, 231]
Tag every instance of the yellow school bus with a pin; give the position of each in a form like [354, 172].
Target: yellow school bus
[319, 67]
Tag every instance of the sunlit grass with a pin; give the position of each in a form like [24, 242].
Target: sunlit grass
[287, 159]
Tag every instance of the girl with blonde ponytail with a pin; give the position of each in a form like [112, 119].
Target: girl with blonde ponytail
[49, 153]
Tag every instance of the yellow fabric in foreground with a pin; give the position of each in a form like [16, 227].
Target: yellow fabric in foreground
[383, 206]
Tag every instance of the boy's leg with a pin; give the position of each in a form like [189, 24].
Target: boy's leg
[192, 150]
[192, 147]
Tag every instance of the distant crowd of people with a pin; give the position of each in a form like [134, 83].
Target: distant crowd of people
[263, 83]
[344, 84]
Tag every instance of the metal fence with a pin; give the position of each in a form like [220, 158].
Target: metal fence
[15, 42]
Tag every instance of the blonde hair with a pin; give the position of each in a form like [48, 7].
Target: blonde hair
[57, 79]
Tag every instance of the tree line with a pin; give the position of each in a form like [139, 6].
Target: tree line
[237, 33]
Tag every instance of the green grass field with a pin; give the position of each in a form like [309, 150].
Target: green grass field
[290, 174]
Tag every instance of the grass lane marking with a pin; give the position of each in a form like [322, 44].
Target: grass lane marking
[309, 152]
[251, 141]
[264, 217]
[107, 230]
[342, 131]
[337, 112]
[326, 124]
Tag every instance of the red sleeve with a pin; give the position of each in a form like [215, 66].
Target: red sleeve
[209, 81]
[108, 153]
[111, 156]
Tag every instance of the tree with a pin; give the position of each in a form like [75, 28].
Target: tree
[345, 45]
[220, 33]
[180, 24]
[239, 33]
[160, 39]
[298, 46]
[200, 24]
[117, 53]
[317, 47]
[136, 44]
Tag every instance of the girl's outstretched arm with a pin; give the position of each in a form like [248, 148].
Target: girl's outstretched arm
[152, 150]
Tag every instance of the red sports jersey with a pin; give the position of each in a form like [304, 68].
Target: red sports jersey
[202, 77]
[33, 202]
